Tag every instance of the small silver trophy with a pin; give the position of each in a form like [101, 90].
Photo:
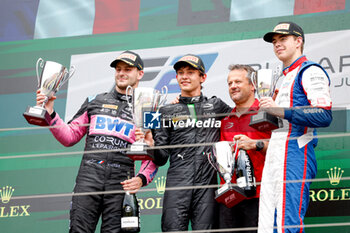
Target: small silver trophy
[52, 77]
[144, 100]
[223, 160]
[265, 81]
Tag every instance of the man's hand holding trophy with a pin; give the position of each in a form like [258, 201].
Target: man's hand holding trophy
[228, 163]
[52, 77]
[144, 100]
[265, 81]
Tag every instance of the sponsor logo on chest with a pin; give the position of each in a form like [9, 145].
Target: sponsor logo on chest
[114, 126]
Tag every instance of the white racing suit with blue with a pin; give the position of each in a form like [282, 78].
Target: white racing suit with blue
[110, 127]
[305, 95]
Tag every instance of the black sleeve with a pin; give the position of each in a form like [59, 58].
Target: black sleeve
[222, 108]
[53, 114]
[161, 137]
[143, 178]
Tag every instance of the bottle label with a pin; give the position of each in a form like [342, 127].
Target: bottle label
[136, 147]
[241, 182]
[129, 222]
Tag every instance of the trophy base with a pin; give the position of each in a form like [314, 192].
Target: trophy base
[229, 196]
[37, 116]
[139, 151]
[264, 121]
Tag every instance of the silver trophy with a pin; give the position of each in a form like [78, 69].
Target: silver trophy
[145, 100]
[53, 75]
[223, 160]
[265, 81]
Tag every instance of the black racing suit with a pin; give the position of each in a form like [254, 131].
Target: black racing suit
[193, 120]
[110, 128]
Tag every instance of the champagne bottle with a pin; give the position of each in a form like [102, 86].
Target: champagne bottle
[245, 174]
[130, 219]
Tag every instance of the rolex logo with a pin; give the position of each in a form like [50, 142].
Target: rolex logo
[160, 184]
[6, 194]
[334, 175]
[16, 210]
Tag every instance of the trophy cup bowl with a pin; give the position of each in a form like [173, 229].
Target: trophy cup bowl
[53, 75]
[223, 161]
[144, 100]
[265, 81]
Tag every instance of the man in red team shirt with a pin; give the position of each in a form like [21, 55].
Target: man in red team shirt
[235, 127]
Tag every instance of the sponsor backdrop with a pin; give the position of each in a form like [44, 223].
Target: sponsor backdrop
[90, 34]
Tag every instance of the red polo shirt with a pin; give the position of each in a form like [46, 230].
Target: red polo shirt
[233, 125]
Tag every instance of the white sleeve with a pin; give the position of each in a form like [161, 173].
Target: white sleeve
[316, 86]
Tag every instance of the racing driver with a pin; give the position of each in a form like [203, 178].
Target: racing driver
[194, 120]
[304, 103]
[109, 127]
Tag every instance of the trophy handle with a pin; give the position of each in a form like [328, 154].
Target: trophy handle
[234, 155]
[276, 76]
[164, 91]
[71, 71]
[254, 82]
[39, 62]
[129, 89]
[212, 160]
[67, 76]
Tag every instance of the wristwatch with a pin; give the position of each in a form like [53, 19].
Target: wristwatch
[259, 145]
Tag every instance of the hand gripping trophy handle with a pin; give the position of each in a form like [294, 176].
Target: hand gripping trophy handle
[223, 160]
[265, 81]
[144, 102]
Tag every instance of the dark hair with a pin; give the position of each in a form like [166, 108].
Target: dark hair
[184, 65]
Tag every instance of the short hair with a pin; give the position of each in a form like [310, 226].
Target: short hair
[188, 65]
[302, 43]
[247, 68]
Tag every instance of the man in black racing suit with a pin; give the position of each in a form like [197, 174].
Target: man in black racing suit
[193, 120]
[110, 128]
